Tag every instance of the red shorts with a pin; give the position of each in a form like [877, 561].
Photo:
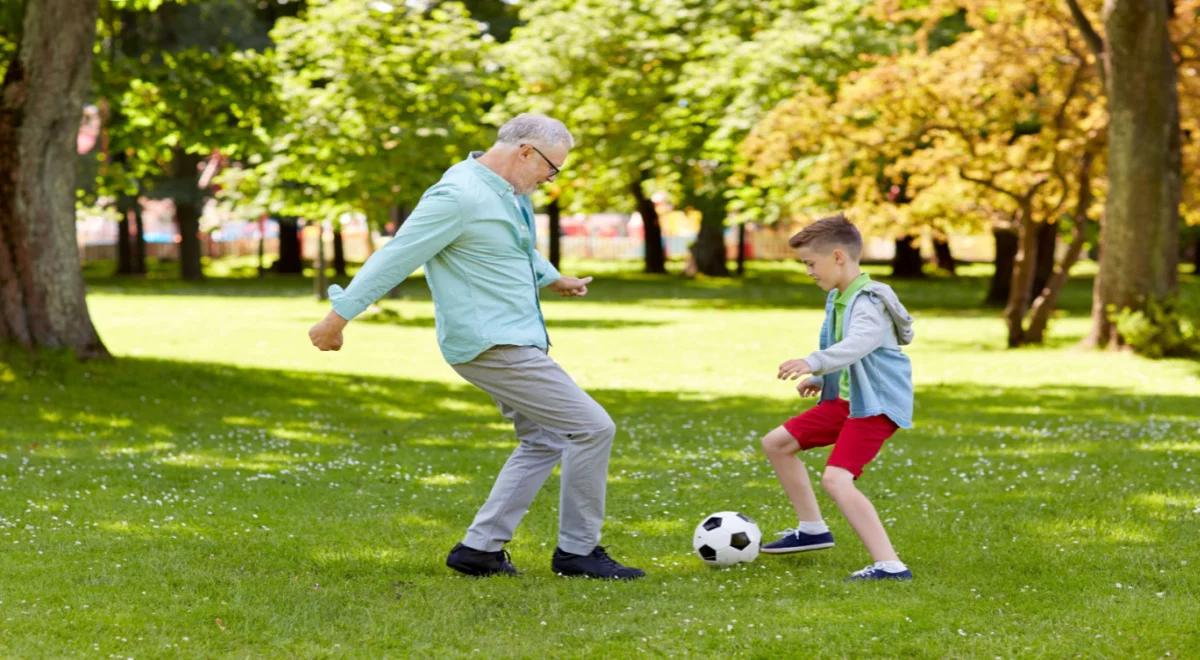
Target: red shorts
[856, 441]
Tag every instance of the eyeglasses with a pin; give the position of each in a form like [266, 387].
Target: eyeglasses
[554, 170]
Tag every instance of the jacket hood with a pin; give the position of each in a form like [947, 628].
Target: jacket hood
[900, 316]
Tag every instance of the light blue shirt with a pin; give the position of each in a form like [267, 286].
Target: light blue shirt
[476, 238]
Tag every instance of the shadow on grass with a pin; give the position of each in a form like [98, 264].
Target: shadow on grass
[52, 399]
[325, 477]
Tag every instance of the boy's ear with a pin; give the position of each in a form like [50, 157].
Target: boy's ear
[839, 256]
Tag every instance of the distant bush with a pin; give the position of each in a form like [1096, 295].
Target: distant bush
[1166, 328]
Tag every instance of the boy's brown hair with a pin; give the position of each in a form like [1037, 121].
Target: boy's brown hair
[828, 233]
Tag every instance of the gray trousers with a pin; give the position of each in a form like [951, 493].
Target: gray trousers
[554, 420]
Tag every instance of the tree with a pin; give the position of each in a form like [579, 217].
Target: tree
[377, 100]
[42, 302]
[1004, 122]
[742, 62]
[660, 93]
[183, 84]
[1139, 255]
[608, 83]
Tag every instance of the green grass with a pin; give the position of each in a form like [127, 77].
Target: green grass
[224, 489]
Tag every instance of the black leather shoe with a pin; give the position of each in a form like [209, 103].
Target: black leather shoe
[595, 565]
[479, 563]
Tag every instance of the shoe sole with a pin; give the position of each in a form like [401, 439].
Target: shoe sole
[906, 578]
[478, 573]
[788, 551]
[590, 576]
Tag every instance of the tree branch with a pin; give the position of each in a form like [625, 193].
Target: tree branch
[1094, 41]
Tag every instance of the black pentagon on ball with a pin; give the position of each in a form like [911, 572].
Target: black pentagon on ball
[707, 553]
[712, 523]
[739, 540]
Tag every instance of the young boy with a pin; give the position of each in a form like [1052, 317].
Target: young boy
[865, 383]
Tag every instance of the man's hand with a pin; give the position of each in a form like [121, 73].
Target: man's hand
[793, 369]
[327, 333]
[571, 286]
[809, 386]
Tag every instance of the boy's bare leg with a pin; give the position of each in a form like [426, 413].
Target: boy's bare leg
[781, 448]
[839, 483]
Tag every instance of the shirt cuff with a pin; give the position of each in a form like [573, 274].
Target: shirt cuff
[549, 277]
[815, 363]
[343, 305]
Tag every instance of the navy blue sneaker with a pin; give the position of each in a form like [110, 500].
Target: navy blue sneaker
[597, 564]
[479, 563]
[874, 573]
[794, 540]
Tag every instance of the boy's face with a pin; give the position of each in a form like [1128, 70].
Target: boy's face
[827, 268]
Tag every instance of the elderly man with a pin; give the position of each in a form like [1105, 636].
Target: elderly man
[474, 232]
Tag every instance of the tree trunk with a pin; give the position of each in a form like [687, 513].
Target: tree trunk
[125, 235]
[1006, 255]
[741, 249]
[1047, 299]
[907, 260]
[1196, 257]
[339, 254]
[1047, 238]
[289, 248]
[320, 283]
[139, 239]
[1024, 268]
[187, 217]
[1139, 233]
[655, 255]
[183, 187]
[554, 239]
[942, 256]
[42, 303]
[709, 249]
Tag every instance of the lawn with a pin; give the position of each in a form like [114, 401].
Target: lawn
[222, 488]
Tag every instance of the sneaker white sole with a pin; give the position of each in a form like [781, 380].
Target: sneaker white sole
[788, 551]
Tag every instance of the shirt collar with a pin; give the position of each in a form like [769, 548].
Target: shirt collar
[852, 288]
[494, 181]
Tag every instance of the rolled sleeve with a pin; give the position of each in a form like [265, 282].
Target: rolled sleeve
[545, 271]
[434, 224]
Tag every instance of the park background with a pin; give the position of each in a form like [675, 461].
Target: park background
[181, 474]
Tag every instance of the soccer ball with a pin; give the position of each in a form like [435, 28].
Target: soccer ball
[727, 538]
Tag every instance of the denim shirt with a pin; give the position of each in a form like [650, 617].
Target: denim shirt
[476, 239]
[880, 373]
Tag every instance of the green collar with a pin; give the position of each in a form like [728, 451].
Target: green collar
[855, 286]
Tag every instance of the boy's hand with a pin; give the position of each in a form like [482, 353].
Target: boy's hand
[809, 386]
[793, 369]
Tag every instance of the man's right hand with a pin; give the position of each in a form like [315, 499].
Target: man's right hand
[327, 333]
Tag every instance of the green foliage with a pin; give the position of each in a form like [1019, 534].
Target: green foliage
[1165, 328]
[667, 90]
[954, 137]
[177, 79]
[377, 99]
[12, 13]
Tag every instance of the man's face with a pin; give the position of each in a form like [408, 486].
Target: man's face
[538, 165]
[824, 267]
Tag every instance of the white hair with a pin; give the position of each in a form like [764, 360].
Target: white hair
[539, 129]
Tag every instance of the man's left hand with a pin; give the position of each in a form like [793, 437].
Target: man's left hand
[571, 286]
